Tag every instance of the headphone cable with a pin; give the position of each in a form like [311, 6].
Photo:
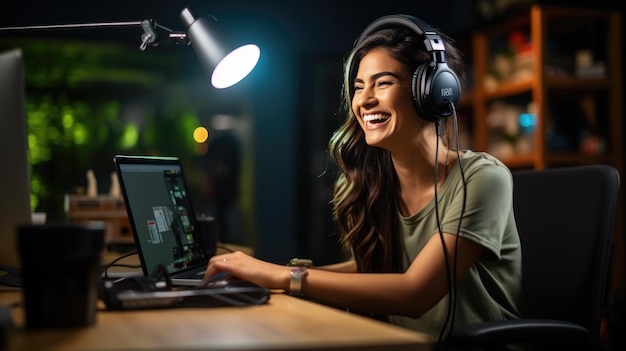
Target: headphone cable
[443, 244]
[452, 301]
[456, 241]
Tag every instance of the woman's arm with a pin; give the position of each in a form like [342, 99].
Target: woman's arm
[410, 294]
[343, 267]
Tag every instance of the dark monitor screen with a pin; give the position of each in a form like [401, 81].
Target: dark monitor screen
[15, 206]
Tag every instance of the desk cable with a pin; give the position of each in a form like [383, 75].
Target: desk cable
[105, 268]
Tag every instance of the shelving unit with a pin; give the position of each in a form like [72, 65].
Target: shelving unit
[548, 93]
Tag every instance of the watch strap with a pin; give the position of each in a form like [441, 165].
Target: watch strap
[298, 273]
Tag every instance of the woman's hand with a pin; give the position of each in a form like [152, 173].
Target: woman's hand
[246, 267]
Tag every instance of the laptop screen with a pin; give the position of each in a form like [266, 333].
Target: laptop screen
[160, 213]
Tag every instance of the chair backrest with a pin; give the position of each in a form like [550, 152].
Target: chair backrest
[565, 218]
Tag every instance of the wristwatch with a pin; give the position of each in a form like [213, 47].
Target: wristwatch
[298, 273]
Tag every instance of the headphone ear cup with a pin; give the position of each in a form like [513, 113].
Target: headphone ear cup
[434, 87]
[420, 89]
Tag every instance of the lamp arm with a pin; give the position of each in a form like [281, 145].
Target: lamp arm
[206, 44]
[149, 37]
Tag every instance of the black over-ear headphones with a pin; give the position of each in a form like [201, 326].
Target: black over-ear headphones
[434, 84]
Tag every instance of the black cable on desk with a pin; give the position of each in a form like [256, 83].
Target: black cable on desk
[106, 267]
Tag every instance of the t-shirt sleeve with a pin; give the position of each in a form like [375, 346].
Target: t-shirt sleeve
[487, 208]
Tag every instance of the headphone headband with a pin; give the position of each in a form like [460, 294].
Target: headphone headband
[417, 25]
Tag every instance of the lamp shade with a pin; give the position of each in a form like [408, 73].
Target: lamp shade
[226, 67]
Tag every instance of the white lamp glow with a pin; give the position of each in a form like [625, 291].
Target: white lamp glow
[235, 66]
[227, 67]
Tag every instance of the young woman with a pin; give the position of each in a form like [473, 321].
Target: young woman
[430, 229]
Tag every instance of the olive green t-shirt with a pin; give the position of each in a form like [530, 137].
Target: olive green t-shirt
[491, 290]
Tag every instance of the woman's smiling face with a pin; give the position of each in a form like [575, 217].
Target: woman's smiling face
[382, 100]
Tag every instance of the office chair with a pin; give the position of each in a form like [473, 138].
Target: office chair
[565, 219]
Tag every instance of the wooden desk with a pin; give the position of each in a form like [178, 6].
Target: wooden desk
[284, 323]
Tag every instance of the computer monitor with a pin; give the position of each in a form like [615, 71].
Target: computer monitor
[15, 206]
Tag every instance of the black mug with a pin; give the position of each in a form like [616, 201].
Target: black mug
[60, 272]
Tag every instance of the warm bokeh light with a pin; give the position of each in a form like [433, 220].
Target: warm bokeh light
[200, 135]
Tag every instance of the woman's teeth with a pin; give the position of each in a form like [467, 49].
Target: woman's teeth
[376, 118]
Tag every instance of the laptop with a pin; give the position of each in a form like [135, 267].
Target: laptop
[162, 218]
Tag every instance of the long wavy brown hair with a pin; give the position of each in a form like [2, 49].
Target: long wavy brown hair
[366, 191]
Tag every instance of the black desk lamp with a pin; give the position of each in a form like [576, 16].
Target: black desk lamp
[226, 67]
